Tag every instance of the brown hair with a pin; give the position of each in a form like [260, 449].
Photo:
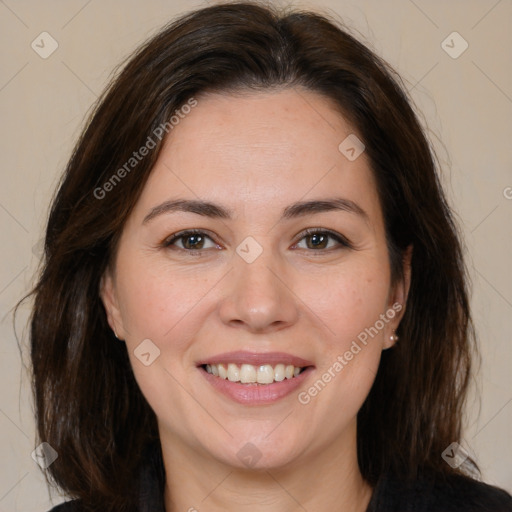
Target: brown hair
[89, 407]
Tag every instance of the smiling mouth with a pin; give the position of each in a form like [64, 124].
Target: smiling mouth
[250, 374]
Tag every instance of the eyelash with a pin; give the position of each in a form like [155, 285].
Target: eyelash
[342, 241]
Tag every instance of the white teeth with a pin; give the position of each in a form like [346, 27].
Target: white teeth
[247, 373]
[233, 372]
[265, 374]
[223, 373]
[279, 372]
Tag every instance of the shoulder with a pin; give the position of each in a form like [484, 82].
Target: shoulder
[459, 492]
[434, 492]
[68, 506]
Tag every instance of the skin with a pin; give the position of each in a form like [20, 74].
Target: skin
[256, 153]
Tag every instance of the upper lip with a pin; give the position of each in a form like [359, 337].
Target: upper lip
[240, 357]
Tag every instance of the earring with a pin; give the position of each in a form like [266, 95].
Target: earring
[393, 338]
[115, 334]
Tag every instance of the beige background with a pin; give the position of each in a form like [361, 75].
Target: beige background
[467, 104]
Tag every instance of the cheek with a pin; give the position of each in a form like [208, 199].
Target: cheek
[154, 298]
[348, 301]
[167, 307]
[350, 304]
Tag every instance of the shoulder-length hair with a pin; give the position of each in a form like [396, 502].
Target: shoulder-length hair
[88, 405]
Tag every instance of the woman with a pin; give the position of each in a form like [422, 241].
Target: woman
[253, 294]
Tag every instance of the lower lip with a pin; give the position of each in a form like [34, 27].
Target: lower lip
[256, 394]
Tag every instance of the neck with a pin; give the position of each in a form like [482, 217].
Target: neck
[327, 480]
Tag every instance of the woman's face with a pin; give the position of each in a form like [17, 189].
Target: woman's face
[250, 287]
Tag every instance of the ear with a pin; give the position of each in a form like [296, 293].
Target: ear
[398, 298]
[109, 299]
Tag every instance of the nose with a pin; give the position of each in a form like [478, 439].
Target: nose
[259, 298]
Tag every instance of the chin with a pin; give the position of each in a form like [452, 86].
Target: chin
[257, 453]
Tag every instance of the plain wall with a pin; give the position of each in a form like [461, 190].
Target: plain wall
[466, 103]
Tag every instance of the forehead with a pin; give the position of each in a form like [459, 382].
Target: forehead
[262, 148]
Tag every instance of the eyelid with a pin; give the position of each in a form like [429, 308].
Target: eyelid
[168, 241]
[342, 240]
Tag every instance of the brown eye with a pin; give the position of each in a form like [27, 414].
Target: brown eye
[193, 241]
[320, 240]
[189, 241]
[317, 241]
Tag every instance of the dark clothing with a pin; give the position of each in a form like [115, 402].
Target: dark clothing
[453, 493]
[434, 493]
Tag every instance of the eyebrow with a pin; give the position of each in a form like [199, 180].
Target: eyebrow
[295, 210]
